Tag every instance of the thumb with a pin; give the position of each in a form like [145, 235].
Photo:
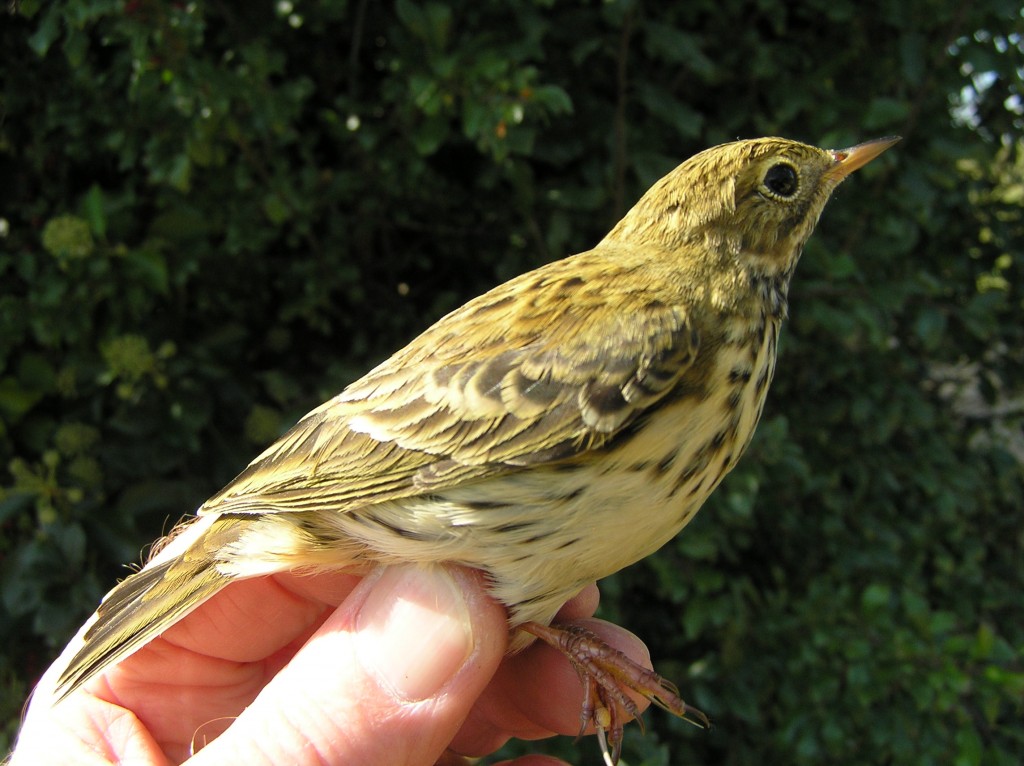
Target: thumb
[388, 678]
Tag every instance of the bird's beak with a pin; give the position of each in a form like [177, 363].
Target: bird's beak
[849, 160]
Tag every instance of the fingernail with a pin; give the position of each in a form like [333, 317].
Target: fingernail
[413, 631]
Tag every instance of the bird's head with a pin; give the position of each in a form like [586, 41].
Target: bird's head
[757, 201]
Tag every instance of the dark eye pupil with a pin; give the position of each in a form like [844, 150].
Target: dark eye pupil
[781, 179]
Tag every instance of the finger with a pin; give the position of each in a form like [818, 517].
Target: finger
[188, 685]
[96, 734]
[583, 604]
[537, 694]
[251, 619]
[388, 678]
[450, 759]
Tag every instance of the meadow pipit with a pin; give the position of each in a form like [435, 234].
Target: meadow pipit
[550, 432]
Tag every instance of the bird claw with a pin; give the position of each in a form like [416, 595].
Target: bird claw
[607, 674]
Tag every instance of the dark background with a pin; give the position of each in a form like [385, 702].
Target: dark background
[214, 215]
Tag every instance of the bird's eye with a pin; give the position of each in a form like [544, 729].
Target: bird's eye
[781, 180]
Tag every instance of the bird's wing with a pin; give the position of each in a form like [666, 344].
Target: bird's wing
[538, 370]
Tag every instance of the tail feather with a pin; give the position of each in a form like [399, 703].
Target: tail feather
[140, 608]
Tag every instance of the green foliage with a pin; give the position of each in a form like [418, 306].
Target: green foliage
[213, 216]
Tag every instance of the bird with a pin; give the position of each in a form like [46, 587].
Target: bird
[550, 432]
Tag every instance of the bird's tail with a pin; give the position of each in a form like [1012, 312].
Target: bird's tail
[177, 579]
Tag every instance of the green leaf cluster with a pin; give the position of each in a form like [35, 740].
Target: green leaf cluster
[213, 216]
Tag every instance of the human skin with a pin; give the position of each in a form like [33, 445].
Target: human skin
[404, 666]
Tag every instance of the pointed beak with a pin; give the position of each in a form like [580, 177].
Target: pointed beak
[849, 160]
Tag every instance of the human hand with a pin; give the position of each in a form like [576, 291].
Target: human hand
[406, 666]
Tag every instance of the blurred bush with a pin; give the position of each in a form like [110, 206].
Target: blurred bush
[215, 215]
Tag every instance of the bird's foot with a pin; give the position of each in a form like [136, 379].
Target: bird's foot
[607, 674]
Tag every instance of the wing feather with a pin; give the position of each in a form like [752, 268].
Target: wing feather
[538, 370]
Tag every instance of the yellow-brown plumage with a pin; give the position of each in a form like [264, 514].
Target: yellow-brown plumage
[550, 432]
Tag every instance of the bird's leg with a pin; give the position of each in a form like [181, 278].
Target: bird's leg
[607, 674]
